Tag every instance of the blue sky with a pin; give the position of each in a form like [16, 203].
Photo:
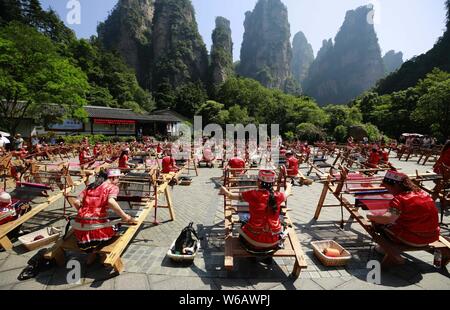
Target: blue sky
[411, 26]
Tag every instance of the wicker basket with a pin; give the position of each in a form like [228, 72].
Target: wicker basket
[50, 235]
[320, 246]
[182, 258]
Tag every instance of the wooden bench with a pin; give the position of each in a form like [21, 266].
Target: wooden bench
[111, 253]
[5, 229]
[393, 251]
[234, 249]
[233, 246]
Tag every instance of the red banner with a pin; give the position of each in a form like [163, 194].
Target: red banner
[113, 122]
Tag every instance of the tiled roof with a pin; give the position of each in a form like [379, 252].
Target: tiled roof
[127, 114]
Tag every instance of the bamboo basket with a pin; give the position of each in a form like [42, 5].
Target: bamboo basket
[320, 246]
[50, 235]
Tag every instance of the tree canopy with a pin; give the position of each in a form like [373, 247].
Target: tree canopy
[34, 77]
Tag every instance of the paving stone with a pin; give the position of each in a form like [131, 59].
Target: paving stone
[357, 284]
[329, 283]
[314, 275]
[324, 274]
[259, 284]
[97, 285]
[132, 281]
[33, 284]
[9, 277]
[15, 262]
[306, 284]
[6, 287]
[4, 255]
[158, 282]
[433, 281]
[334, 273]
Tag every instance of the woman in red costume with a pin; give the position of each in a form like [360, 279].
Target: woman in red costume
[291, 164]
[169, 164]
[92, 206]
[97, 149]
[124, 160]
[84, 156]
[374, 159]
[236, 163]
[263, 232]
[412, 218]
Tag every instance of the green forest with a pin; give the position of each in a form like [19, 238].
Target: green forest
[47, 74]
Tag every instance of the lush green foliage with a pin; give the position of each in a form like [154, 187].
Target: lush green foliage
[93, 139]
[267, 106]
[189, 98]
[113, 83]
[42, 62]
[30, 12]
[310, 132]
[424, 108]
[35, 81]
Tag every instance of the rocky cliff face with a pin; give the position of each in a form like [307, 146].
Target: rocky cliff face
[179, 54]
[351, 66]
[221, 52]
[417, 68]
[128, 31]
[392, 61]
[303, 57]
[266, 51]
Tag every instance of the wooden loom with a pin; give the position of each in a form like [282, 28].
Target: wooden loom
[111, 253]
[335, 186]
[233, 246]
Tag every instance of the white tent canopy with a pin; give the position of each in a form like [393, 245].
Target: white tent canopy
[4, 134]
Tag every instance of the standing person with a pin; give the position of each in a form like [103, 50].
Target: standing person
[412, 218]
[18, 142]
[92, 207]
[409, 142]
[263, 231]
[426, 142]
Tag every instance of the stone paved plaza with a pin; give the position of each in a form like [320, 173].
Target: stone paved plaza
[147, 267]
